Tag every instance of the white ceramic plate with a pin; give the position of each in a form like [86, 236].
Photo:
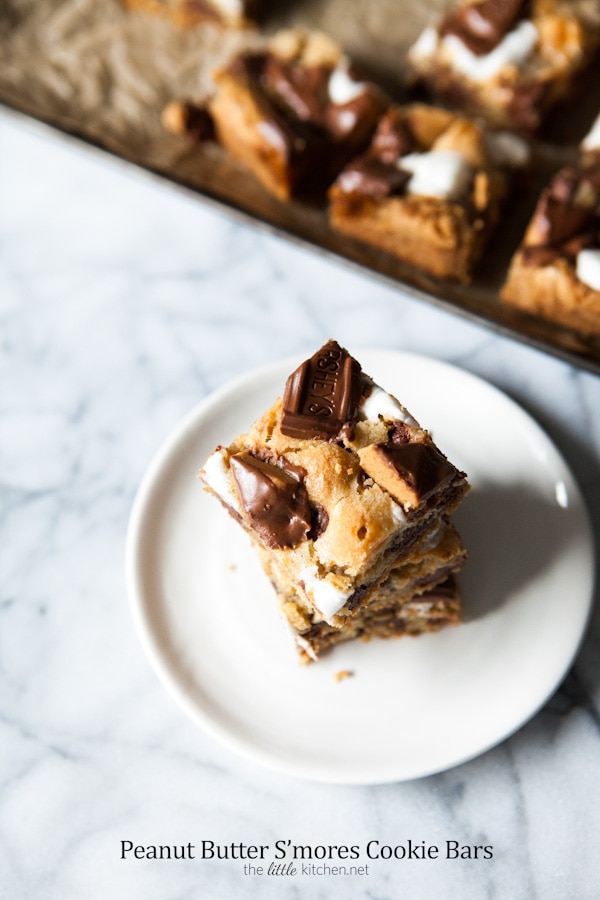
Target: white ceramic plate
[207, 617]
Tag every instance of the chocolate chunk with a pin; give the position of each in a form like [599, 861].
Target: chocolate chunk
[481, 26]
[399, 433]
[393, 138]
[303, 89]
[322, 395]
[370, 176]
[320, 521]
[559, 221]
[275, 501]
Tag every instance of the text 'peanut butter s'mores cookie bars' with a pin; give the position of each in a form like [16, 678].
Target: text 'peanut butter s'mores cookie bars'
[428, 189]
[346, 498]
[294, 112]
[508, 60]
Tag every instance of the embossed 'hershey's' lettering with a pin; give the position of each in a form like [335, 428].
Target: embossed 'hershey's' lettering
[322, 395]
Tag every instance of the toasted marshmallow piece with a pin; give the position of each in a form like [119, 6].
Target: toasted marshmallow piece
[513, 50]
[216, 475]
[342, 88]
[425, 46]
[588, 268]
[380, 403]
[233, 9]
[592, 139]
[440, 173]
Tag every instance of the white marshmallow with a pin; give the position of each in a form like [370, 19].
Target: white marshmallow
[216, 475]
[440, 173]
[380, 403]
[425, 46]
[233, 9]
[342, 88]
[513, 50]
[588, 268]
[327, 598]
[592, 140]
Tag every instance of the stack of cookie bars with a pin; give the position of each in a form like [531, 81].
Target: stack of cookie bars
[347, 500]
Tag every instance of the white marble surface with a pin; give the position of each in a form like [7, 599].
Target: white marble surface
[123, 303]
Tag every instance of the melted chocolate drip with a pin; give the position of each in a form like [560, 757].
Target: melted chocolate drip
[274, 500]
[375, 173]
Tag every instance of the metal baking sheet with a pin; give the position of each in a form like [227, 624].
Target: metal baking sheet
[102, 74]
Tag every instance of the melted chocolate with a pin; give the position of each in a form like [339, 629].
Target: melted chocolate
[481, 26]
[320, 521]
[314, 136]
[274, 500]
[301, 89]
[322, 395]
[376, 174]
[198, 122]
[372, 177]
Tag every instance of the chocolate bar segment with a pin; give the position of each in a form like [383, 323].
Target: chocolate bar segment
[322, 395]
[411, 472]
[274, 500]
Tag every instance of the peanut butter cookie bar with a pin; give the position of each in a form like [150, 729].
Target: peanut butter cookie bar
[294, 112]
[508, 60]
[428, 189]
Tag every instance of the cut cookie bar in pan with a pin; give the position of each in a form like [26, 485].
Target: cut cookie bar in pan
[555, 273]
[337, 484]
[294, 112]
[428, 189]
[508, 60]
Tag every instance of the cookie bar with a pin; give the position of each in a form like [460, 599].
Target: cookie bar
[508, 60]
[337, 485]
[428, 189]
[294, 112]
[186, 13]
[555, 273]
[404, 602]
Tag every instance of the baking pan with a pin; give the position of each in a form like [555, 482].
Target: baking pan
[102, 74]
